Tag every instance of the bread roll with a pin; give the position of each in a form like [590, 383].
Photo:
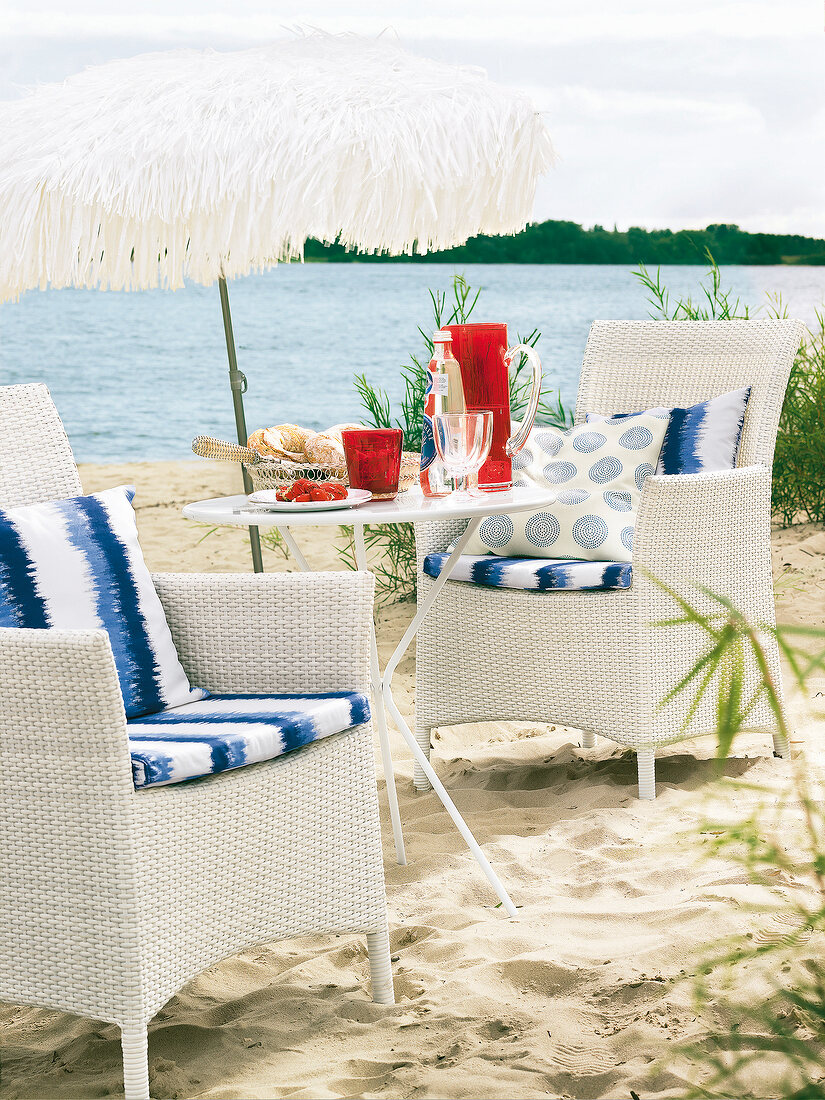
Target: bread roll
[280, 441]
[256, 443]
[327, 448]
[293, 437]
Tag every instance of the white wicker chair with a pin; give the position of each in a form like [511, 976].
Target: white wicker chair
[591, 659]
[112, 899]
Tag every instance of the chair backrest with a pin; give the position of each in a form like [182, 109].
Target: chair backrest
[36, 461]
[634, 365]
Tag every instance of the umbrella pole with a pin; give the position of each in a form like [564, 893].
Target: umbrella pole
[237, 380]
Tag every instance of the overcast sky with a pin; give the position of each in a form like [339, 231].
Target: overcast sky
[663, 112]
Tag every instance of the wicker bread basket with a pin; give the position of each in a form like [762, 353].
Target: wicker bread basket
[270, 473]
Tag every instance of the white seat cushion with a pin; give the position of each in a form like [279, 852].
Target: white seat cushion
[228, 731]
[537, 574]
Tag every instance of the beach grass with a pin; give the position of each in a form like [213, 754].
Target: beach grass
[760, 996]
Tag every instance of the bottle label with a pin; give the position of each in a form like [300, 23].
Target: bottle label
[441, 384]
[427, 441]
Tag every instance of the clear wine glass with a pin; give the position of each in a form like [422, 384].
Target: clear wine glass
[462, 441]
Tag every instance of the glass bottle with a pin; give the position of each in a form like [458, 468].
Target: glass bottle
[444, 393]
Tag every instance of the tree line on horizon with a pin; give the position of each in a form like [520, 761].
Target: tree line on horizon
[564, 242]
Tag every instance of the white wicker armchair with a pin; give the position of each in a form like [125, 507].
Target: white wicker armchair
[112, 899]
[591, 660]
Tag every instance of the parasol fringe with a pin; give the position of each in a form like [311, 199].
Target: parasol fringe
[188, 164]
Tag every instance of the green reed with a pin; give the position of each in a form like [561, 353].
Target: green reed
[778, 1035]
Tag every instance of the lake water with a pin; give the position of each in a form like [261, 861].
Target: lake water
[136, 376]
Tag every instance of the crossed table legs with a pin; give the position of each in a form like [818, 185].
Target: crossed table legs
[382, 693]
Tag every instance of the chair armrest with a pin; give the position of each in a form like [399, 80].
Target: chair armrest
[275, 632]
[66, 787]
[711, 528]
[68, 904]
[62, 722]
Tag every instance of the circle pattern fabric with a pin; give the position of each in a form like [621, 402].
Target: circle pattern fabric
[589, 532]
[550, 442]
[588, 442]
[643, 472]
[619, 502]
[606, 469]
[556, 473]
[636, 439]
[542, 529]
[570, 497]
[592, 475]
[496, 531]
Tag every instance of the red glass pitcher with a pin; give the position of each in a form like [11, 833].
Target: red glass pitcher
[485, 358]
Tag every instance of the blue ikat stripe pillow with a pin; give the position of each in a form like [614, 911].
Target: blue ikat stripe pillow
[699, 439]
[76, 564]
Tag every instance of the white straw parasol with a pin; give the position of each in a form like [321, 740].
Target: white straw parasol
[205, 165]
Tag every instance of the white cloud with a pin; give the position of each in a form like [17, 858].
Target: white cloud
[614, 105]
[551, 21]
[665, 112]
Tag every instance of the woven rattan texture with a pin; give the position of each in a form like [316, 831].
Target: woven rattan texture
[593, 660]
[36, 461]
[633, 365]
[281, 849]
[112, 899]
[271, 632]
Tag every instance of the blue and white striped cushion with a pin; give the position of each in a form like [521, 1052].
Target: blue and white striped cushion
[701, 438]
[536, 574]
[228, 731]
[76, 564]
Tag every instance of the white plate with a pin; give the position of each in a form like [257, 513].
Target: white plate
[267, 497]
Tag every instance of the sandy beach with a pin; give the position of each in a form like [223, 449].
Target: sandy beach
[577, 997]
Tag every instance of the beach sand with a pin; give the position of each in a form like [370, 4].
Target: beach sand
[578, 996]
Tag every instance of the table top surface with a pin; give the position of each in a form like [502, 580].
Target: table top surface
[409, 507]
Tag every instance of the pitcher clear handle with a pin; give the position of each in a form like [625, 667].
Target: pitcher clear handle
[519, 438]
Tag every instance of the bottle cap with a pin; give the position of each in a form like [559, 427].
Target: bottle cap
[442, 336]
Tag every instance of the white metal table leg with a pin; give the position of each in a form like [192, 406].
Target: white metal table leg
[407, 734]
[375, 678]
[294, 549]
[380, 714]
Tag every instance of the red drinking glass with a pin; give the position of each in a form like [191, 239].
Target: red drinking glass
[374, 459]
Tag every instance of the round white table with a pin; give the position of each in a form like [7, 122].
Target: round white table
[409, 507]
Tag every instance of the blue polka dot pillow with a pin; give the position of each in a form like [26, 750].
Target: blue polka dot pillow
[76, 564]
[597, 472]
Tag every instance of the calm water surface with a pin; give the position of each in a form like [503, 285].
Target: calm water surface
[136, 376]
